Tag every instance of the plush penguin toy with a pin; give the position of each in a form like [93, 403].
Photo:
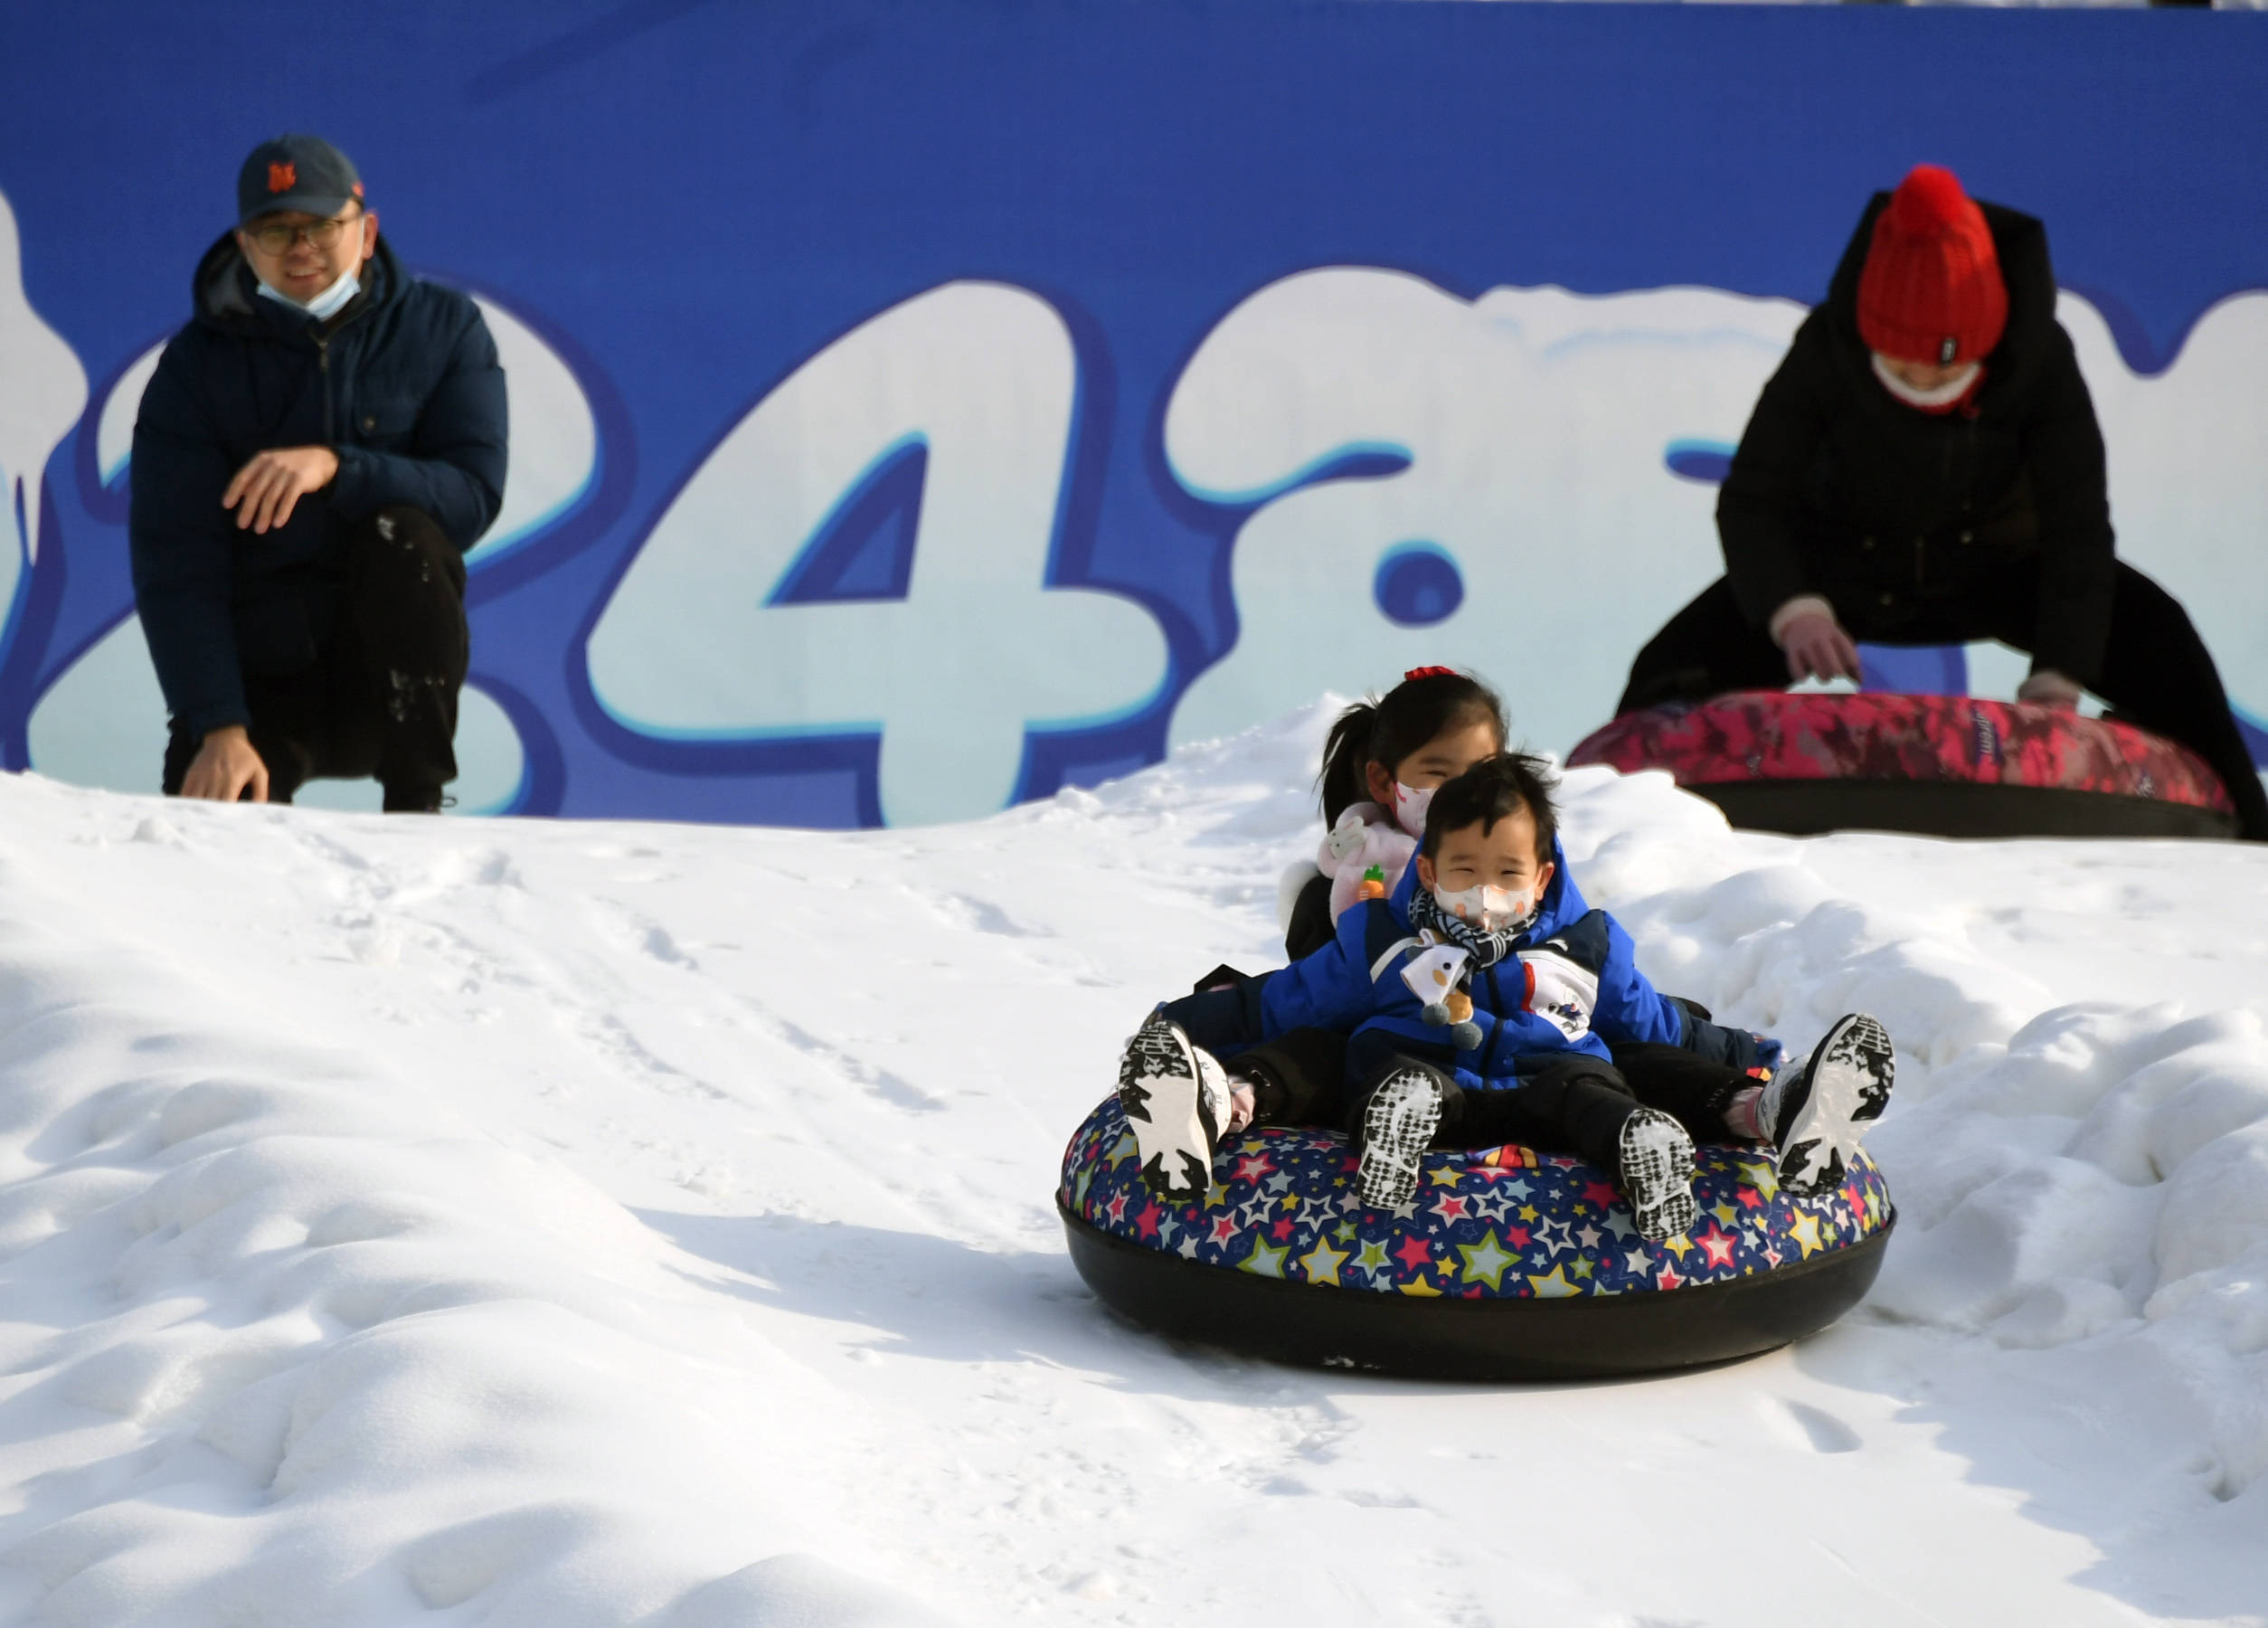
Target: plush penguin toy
[1439, 977]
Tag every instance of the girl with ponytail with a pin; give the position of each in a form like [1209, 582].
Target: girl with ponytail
[1382, 762]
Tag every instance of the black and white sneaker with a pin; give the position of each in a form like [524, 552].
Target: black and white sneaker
[1398, 1126]
[1175, 1098]
[1657, 1159]
[1815, 1115]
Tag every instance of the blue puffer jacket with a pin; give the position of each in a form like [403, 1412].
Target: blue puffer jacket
[1333, 989]
[403, 384]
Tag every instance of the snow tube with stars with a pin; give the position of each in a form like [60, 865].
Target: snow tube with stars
[1942, 765]
[1510, 1264]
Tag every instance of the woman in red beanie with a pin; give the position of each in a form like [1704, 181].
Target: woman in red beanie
[1925, 468]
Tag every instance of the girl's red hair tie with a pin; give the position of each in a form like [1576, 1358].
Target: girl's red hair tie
[1415, 673]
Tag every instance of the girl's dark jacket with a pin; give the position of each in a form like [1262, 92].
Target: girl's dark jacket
[403, 384]
[1908, 523]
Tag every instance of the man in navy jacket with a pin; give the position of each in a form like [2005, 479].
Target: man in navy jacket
[317, 449]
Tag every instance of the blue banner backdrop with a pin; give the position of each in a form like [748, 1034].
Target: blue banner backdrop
[922, 405]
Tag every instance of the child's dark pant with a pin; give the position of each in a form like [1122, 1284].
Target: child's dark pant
[1575, 1102]
[382, 699]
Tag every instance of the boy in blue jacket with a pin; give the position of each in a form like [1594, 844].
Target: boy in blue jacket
[1482, 996]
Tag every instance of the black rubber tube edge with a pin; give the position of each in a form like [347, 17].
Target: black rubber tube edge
[1580, 1337]
[1812, 808]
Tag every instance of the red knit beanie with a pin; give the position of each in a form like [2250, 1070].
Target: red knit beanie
[1931, 288]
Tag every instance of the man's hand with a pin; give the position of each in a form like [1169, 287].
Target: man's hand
[1818, 648]
[265, 489]
[226, 764]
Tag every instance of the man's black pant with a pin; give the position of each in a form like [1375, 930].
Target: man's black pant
[381, 700]
[2156, 671]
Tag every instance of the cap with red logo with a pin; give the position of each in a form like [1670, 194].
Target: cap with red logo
[303, 173]
[1932, 290]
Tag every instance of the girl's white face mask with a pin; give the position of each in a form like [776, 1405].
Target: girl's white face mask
[1490, 909]
[1409, 807]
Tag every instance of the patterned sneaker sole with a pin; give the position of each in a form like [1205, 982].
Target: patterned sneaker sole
[1397, 1128]
[1657, 1159]
[1845, 1087]
[1866, 1047]
[1166, 1110]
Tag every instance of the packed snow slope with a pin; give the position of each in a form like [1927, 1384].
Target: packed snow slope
[433, 1221]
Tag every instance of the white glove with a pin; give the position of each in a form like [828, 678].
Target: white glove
[1560, 991]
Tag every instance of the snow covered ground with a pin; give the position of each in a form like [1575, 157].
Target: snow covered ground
[540, 1222]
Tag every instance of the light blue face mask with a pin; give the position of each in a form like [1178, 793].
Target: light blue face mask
[326, 305]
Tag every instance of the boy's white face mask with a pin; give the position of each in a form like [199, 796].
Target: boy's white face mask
[1490, 909]
[1409, 809]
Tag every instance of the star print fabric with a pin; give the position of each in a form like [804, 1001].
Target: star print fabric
[1495, 1222]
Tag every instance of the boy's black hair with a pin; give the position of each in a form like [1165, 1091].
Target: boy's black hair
[1426, 705]
[1496, 787]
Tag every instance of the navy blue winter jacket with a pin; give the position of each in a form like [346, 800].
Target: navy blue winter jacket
[1333, 988]
[403, 384]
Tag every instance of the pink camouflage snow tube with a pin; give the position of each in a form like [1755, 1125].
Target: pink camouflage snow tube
[1943, 765]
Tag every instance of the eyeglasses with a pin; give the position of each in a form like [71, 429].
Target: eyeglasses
[277, 238]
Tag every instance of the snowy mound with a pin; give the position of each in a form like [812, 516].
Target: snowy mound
[563, 1223]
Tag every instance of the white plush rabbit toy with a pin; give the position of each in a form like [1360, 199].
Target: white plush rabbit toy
[1364, 837]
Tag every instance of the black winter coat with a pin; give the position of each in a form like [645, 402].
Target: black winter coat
[1898, 518]
[403, 384]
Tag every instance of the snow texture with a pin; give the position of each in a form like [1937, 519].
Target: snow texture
[549, 1223]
